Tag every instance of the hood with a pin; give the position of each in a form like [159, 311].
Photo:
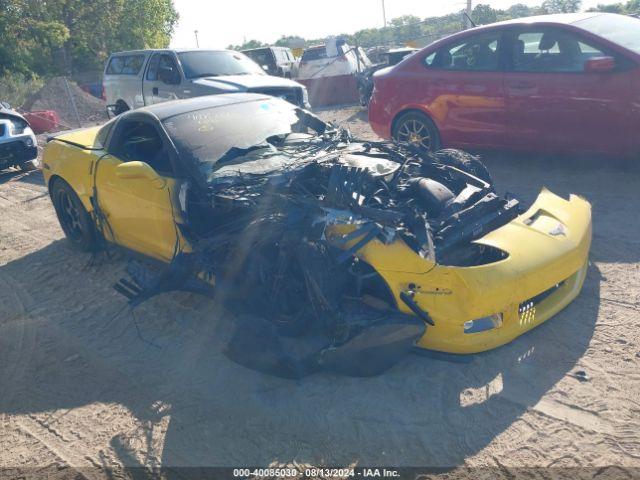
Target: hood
[268, 162]
[243, 83]
[8, 112]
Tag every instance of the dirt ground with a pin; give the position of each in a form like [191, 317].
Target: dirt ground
[85, 383]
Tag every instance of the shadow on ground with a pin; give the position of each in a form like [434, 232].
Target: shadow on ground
[70, 342]
[33, 177]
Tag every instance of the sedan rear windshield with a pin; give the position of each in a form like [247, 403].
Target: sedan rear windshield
[620, 29]
[212, 64]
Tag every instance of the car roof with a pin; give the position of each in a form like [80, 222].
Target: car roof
[556, 18]
[169, 50]
[165, 110]
[275, 47]
[563, 18]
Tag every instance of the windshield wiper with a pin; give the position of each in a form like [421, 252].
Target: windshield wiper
[206, 75]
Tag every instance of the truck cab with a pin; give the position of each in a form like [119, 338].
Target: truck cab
[143, 77]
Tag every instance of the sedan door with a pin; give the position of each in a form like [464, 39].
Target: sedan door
[555, 103]
[137, 189]
[462, 90]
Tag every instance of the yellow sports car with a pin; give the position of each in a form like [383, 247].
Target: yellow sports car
[270, 209]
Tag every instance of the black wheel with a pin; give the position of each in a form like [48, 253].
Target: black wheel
[121, 107]
[74, 219]
[464, 161]
[418, 130]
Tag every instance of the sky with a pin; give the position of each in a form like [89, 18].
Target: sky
[223, 22]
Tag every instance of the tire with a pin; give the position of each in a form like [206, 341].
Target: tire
[74, 219]
[418, 130]
[29, 166]
[464, 161]
[121, 107]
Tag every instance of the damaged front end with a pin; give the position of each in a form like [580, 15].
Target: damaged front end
[298, 227]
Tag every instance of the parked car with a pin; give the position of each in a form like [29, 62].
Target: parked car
[330, 72]
[316, 62]
[18, 145]
[144, 77]
[300, 225]
[365, 78]
[561, 83]
[278, 61]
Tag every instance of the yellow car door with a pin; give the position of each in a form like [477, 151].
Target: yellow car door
[137, 189]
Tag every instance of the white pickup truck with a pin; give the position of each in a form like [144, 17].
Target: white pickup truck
[142, 77]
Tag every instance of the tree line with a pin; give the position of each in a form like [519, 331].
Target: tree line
[53, 37]
[418, 31]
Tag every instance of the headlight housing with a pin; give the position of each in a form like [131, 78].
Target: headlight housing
[483, 324]
[305, 97]
[19, 126]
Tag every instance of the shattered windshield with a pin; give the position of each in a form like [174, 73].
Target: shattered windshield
[221, 141]
[209, 63]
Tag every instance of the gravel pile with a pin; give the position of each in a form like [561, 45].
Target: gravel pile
[60, 96]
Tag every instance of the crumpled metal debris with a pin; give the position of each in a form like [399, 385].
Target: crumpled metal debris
[262, 236]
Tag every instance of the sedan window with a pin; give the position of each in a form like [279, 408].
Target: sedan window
[551, 51]
[141, 142]
[479, 53]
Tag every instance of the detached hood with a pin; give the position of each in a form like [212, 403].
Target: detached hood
[244, 83]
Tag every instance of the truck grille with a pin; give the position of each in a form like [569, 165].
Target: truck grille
[291, 95]
[527, 309]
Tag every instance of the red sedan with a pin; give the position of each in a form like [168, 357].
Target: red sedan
[555, 83]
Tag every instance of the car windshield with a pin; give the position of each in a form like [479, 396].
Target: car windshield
[222, 141]
[261, 57]
[620, 29]
[206, 63]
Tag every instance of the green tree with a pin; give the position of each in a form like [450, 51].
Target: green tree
[483, 14]
[247, 45]
[288, 41]
[611, 8]
[561, 6]
[56, 36]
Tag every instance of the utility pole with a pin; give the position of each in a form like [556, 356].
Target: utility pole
[467, 19]
[384, 16]
[197, 42]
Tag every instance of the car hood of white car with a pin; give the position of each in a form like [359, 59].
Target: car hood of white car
[243, 83]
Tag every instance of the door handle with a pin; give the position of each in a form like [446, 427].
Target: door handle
[154, 90]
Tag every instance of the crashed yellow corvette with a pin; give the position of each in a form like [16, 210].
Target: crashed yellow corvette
[346, 253]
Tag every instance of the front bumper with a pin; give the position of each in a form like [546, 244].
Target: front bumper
[548, 250]
[16, 152]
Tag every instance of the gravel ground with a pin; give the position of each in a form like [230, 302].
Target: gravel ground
[86, 384]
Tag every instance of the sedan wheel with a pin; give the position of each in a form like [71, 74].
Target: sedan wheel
[418, 131]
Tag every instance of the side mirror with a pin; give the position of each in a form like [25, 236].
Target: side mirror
[265, 67]
[600, 65]
[168, 76]
[139, 171]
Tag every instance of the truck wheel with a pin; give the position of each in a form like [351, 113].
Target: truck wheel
[418, 130]
[74, 219]
[121, 107]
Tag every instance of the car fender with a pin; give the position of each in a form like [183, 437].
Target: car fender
[71, 163]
